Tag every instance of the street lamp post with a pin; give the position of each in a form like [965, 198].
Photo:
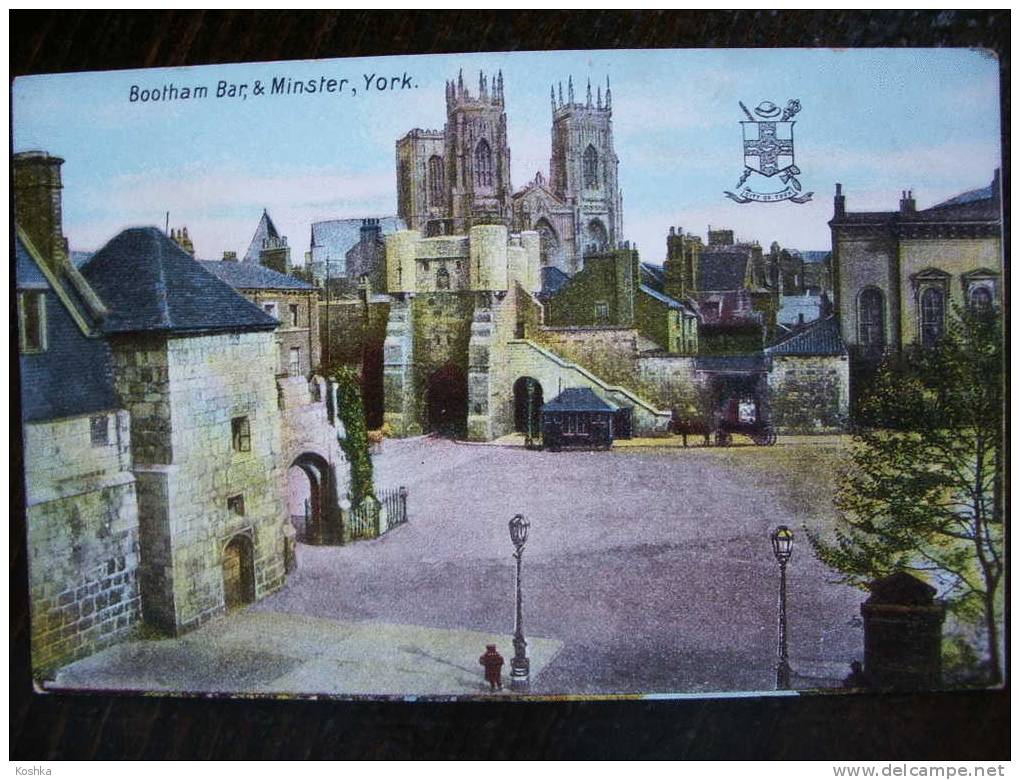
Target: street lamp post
[520, 667]
[782, 548]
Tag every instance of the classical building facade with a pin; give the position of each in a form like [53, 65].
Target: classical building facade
[897, 274]
[452, 179]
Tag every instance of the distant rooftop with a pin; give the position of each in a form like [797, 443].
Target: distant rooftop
[253, 276]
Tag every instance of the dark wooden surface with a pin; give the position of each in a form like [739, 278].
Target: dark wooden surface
[936, 726]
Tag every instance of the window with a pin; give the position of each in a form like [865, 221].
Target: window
[442, 279]
[483, 164]
[240, 432]
[591, 167]
[980, 300]
[99, 430]
[436, 183]
[294, 315]
[602, 311]
[933, 309]
[294, 367]
[33, 322]
[235, 504]
[871, 318]
[271, 309]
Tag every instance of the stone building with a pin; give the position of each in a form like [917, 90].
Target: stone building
[451, 179]
[81, 502]
[317, 471]
[347, 249]
[809, 379]
[897, 274]
[290, 301]
[579, 211]
[267, 246]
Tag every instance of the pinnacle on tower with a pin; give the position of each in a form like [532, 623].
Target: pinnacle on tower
[460, 82]
[561, 93]
[609, 94]
[598, 102]
[570, 89]
[552, 97]
[589, 94]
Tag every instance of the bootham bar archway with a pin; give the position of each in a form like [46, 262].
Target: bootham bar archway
[319, 520]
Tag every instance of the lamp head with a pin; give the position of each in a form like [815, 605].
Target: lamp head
[782, 543]
[519, 530]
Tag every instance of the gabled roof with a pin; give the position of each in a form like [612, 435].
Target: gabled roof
[253, 276]
[150, 284]
[820, 337]
[653, 275]
[334, 238]
[578, 399]
[73, 376]
[265, 230]
[672, 303]
[552, 280]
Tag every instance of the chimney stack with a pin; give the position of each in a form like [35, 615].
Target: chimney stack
[839, 202]
[37, 204]
[907, 203]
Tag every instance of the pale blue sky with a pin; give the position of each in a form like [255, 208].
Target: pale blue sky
[879, 121]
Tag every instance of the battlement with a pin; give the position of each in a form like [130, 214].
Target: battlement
[490, 92]
[599, 105]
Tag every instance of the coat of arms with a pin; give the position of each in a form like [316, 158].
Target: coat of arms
[768, 151]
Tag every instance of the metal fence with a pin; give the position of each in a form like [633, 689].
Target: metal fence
[395, 501]
[364, 520]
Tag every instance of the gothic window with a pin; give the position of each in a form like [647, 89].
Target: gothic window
[599, 239]
[591, 168]
[442, 279]
[871, 318]
[933, 311]
[980, 300]
[548, 243]
[483, 164]
[436, 183]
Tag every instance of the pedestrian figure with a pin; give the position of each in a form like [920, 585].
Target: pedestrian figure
[493, 663]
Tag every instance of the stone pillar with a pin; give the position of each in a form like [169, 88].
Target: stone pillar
[903, 633]
[401, 250]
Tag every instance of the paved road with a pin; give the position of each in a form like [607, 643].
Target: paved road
[651, 567]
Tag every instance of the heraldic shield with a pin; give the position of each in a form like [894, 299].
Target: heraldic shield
[768, 146]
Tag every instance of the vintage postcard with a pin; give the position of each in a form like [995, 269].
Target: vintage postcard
[548, 374]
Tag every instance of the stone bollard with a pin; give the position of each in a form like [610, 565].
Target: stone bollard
[903, 633]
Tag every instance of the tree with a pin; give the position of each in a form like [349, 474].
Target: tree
[351, 412]
[923, 489]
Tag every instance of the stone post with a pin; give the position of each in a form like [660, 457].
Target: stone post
[903, 633]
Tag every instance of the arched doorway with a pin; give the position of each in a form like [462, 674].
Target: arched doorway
[528, 405]
[238, 572]
[311, 496]
[446, 399]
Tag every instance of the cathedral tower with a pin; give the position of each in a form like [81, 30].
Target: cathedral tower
[583, 166]
[477, 157]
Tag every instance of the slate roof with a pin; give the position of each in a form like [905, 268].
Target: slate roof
[672, 303]
[265, 230]
[552, 280]
[722, 271]
[578, 399]
[27, 273]
[73, 376]
[978, 205]
[150, 284]
[820, 337]
[653, 275]
[79, 258]
[253, 276]
[740, 364]
[333, 239]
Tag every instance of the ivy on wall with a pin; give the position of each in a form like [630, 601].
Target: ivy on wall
[351, 412]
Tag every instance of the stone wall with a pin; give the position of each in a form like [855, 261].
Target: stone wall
[188, 467]
[809, 394]
[83, 550]
[301, 334]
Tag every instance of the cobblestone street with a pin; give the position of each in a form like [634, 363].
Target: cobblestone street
[651, 566]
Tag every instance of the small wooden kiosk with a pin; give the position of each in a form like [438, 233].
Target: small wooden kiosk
[577, 418]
